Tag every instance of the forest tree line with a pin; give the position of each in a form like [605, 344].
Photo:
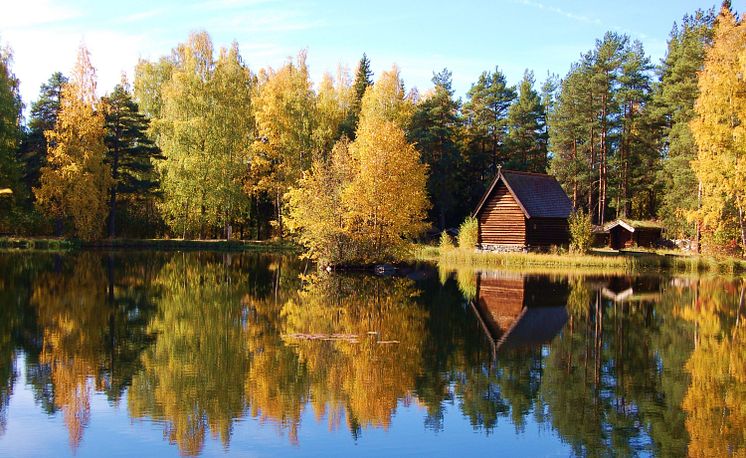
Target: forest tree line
[200, 145]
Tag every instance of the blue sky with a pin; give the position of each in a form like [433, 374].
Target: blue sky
[468, 37]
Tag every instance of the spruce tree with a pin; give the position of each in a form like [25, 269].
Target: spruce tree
[129, 152]
[526, 139]
[363, 80]
[672, 108]
[44, 111]
[434, 130]
[485, 129]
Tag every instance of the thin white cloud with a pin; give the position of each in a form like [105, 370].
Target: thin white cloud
[561, 12]
[31, 13]
[142, 15]
[265, 21]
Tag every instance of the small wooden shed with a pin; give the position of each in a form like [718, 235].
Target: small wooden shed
[626, 234]
[522, 210]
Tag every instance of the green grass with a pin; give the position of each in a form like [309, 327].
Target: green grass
[57, 244]
[595, 262]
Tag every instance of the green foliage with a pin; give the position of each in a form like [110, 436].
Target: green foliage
[434, 130]
[581, 232]
[204, 125]
[129, 153]
[673, 108]
[527, 134]
[44, 111]
[598, 134]
[468, 233]
[10, 135]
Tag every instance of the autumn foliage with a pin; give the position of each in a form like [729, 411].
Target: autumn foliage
[75, 182]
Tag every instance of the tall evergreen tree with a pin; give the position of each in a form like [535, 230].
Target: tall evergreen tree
[363, 80]
[595, 127]
[44, 111]
[129, 151]
[572, 136]
[526, 140]
[485, 130]
[672, 108]
[434, 130]
[637, 159]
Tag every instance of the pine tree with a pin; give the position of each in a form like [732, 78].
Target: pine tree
[572, 136]
[43, 118]
[434, 131]
[363, 80]
[129, 151]
[76, 180]
[486, 115]
[636, 158]
[485, 124]
[526, 142]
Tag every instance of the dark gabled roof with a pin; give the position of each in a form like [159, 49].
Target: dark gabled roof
[539, 195]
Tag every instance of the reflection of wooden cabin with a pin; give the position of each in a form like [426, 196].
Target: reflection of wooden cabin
[626, 234]
[522, 209]
[631, 289]
[520, 311]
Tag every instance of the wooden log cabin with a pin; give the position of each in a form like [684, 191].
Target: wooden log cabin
[521, 211]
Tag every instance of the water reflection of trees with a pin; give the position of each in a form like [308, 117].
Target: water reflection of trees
[91, 331]
[715, 401]
[198, 341]
[367, 375]
[192, 376]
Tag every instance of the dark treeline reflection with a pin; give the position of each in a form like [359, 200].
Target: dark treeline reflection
[197, 341]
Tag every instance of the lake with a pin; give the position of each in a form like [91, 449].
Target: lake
[208, 354]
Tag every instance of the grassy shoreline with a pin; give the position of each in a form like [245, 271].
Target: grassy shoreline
[59, 244]
[598, 261]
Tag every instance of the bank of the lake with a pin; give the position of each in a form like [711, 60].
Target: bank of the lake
[603, 261]
[62, 244]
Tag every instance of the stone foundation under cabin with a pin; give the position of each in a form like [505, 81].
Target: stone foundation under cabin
[498, 248]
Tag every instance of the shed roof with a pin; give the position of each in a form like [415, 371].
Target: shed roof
[539, 195]
[631, 225]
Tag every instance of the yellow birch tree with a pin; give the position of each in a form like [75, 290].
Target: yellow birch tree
[719, 131]
[76, 180]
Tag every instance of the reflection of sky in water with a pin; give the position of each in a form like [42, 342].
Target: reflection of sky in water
[31, 433]
[511, 370]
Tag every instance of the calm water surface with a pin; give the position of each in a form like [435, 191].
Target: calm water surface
[167, 354]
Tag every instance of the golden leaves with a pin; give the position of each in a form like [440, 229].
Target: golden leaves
[75, 182]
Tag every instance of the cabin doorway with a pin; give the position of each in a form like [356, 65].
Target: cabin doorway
[619, 237]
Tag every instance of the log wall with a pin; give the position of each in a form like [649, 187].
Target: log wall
[547, 231]
[501, 220]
